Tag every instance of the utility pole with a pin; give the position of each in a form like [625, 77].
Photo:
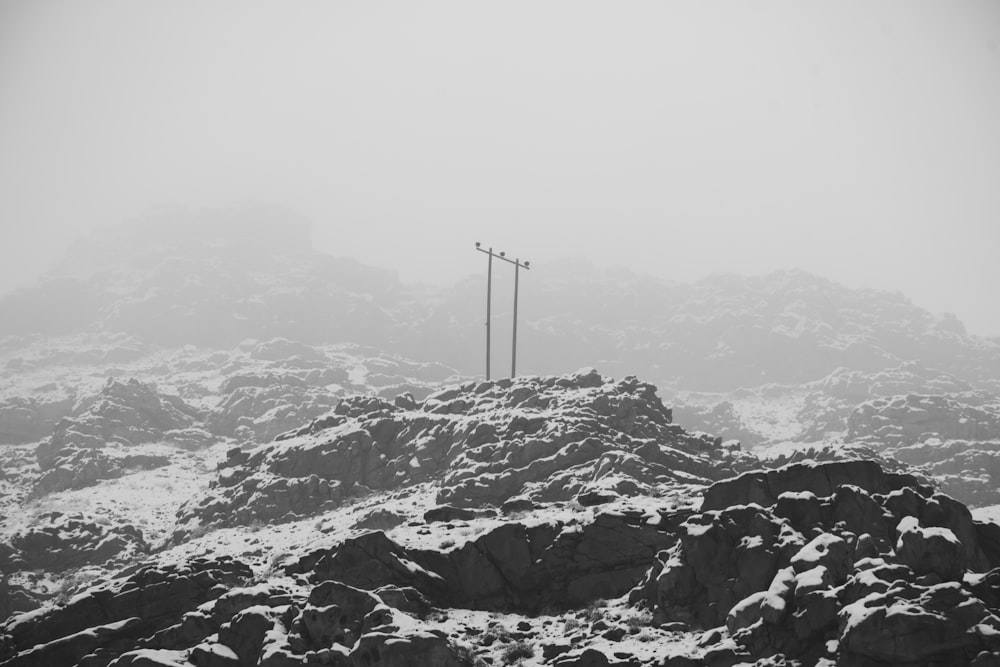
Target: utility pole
[518, 265]
[513, 351]
[489, 293]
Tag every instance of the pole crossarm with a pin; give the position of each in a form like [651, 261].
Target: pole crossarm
[501, 255]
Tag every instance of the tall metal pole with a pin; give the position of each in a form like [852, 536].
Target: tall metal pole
[513, 351]
[489, 293]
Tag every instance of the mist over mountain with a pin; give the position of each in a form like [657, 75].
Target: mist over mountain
[178, 276]
[223, 447]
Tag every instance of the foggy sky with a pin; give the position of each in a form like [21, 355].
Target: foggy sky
[854, 139]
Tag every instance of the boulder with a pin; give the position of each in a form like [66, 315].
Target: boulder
[930, 550]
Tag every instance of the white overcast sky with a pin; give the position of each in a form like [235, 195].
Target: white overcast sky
[859, 140]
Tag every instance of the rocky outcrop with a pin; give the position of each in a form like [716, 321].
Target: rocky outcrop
[258, 408]
[904, 420]
[94, 627]
[968, 471]
[56, 541]
[14, 599]
[124, 413]
[908, 378]
[766, 487]
[953, 440]
[31, 418]
[823, 416]
[78, 468]
[825, 412]
[881, 572]
[514, 567]
[720, 420]
[201, 613]
[551, 439]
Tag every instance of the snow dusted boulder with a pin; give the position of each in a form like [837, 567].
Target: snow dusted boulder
[930, 550]
[830, 552]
